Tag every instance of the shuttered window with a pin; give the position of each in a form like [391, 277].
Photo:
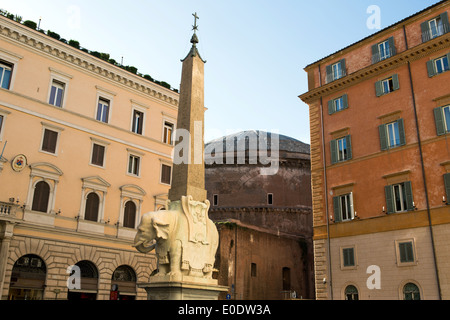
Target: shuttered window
[399, 197]
[348, 257]
[435, 27]
[41, 196]
[49, 141]
[343, 207]
[438, 65]
[338, 104]
[406, 251]
[392, 134]
[341, 149]
[166, 172]
[447, 186]
[336, 71]
[129, 216]
[383, 50]
[442, 120]
[92, 206]
[98, 154]
[387, 85]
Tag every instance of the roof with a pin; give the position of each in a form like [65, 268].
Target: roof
[382, 30]
[253, 137]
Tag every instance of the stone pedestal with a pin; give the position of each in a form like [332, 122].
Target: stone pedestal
[182, 288]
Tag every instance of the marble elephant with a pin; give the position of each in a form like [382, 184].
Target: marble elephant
[184, 238]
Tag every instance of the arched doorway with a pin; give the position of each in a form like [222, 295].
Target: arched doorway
[28, 278]
[88, 282]
[351, 293]
[124, 281]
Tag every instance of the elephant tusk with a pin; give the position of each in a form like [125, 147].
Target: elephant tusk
[140, 246]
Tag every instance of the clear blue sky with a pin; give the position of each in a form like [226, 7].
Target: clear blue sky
[255, 49]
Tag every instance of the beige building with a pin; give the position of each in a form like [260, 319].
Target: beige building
[86, 151]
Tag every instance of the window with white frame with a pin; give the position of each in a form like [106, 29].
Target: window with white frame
[138, 122]
[9, 62]
[438, 65]
[93, 196]
[343, 207]
[5, 74]
[399, 197]
[103, 110]
[337, 70]
[168, 132]
[50, 138]
[384, 49]
[134, 163]
[3, 115]
[56, 93]
[393, 134]
[442, 119]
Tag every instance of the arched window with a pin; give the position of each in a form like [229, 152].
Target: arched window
[89, 282]
[411, 292]
[41, 197]
[129, 216]
[28, 278]
[92, 206]
[351, 293]
[124, 281]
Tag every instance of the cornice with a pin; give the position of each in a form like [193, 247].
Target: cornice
[18, 34]
[268, 209]
[379, 68]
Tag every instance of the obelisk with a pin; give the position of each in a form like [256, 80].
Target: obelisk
[189, 178]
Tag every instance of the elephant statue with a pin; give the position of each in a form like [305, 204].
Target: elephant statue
[184, 238]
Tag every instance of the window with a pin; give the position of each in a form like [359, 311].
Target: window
[447, 186]
[336, 71]
[41, 197]
[338, 104]
[1, 124]
[341, 149]
[343, 207]
[166, 173]
[392, 134]
[168, 131]
[438, 65]
[133, 164]
[103, 110]
[411, 292]
[442, 119]
[406, 252]
[92, 206]
[57, 93]
[351, 293]
[435, 27]
[215, 200]
[98, 154]
[49, 141]
[5, 75]
[129, 216]
[253, 269]
[348, 257]
[387, 85]
[383, 50]
[138, 122]
[399, 197]
[270, 198]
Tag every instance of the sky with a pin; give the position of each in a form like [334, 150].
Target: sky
[256, 50]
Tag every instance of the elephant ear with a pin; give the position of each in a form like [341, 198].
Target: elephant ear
[161, 228]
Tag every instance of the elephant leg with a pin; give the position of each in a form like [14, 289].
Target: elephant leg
[175, 258]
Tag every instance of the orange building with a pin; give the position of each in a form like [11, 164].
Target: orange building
[380, 157]
[86, 150]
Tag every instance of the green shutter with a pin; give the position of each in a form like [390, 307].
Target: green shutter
[334, 151]
[395, 82]
[331, 108]
[378, 88]
[389, 192]
[447, 186]
[401, 131]
[392, 46]
[445, 24]
[383, 137]
[439, 119]
[448, 57]
[329, 72]
[425, 27]
[431, 69]
[345, 101]
[337, 209]
[343, 67]
[375, 53]
[409, 195]
[348, 141]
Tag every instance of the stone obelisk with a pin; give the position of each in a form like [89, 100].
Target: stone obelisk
[189, 178]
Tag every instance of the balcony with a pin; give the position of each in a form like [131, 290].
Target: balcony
[7, 209]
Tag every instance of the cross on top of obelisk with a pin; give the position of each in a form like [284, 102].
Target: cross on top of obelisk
[195, 27]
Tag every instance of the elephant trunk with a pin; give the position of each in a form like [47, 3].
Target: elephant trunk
[141, 246]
